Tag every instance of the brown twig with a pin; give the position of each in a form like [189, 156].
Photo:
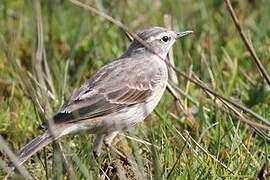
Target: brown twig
[246, 42]
[237, 105]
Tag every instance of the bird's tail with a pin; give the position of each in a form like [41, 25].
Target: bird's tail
[36, 145]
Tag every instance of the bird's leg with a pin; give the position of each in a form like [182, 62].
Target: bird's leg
[108, 142]
[98, 145]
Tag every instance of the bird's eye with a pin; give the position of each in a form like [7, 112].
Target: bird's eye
[165, 39]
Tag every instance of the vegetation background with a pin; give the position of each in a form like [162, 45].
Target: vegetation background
[55, 45]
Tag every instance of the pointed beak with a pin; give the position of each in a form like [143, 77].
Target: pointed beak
[182, 34]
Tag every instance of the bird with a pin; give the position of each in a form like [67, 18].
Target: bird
[120, 95]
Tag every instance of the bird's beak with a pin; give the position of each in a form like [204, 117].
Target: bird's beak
[182, 34]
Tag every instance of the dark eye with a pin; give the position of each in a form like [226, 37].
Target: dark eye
[165, 38]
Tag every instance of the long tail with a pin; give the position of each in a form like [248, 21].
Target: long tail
[36, 145]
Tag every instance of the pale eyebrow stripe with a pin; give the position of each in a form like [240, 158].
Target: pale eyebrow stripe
[151, 38]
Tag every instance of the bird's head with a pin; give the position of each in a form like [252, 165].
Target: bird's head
[158, 39]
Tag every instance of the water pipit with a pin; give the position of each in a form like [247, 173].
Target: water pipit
[120, 95]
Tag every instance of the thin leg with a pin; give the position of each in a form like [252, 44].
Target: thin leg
[98, 145]
[108, 142]
[108, 138]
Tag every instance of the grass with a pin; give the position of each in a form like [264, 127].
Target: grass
[77, 43]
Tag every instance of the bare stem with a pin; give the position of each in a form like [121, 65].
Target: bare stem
[246, 42]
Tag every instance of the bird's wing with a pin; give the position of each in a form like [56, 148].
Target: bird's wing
[118, 85]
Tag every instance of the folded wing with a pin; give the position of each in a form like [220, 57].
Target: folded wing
[116, 86]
